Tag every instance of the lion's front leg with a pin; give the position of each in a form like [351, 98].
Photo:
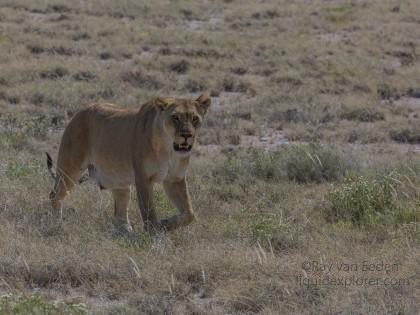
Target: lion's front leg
[177, 193]
[145, 199]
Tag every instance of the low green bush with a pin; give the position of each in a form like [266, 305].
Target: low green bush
[363, 115]
[300, 163]
[406, 135]
[266, 165]
[35, 305]
[316, 163]
[371, 203]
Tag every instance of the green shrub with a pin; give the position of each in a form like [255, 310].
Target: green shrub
[35, 305]
[363, 114]
[300, 163]
[406, 135]
[316, 163]
[257, 164]
[371, 202]
[359, 199]
[266, 165]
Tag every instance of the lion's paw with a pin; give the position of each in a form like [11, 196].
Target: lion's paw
[124, 229]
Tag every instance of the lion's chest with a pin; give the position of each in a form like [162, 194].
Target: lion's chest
[170, 170]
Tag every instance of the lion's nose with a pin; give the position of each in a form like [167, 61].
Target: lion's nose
[186, 135]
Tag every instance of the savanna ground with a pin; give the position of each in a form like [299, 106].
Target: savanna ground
[309, 158]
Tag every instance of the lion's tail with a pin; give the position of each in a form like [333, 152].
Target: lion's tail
[53, 173]
[50, 166]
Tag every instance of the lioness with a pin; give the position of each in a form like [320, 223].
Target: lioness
[121, 146]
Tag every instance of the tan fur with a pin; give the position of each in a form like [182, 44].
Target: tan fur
[122, 147]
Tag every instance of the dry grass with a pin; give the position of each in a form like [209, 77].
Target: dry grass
[338, 77]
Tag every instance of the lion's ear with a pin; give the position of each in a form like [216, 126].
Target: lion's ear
[163, 103]
[204, 102]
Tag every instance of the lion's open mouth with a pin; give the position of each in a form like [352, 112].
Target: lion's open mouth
[182, 147]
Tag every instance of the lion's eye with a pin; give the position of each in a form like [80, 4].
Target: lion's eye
[175, 118]
[195, 120]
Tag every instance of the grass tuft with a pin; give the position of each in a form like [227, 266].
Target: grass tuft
[273, 234]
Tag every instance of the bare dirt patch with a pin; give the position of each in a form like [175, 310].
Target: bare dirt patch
[270, 139]
[212, 24]
[338, 36]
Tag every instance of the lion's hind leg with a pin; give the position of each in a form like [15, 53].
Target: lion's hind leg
[70, 167]
[121, 202]
[64, 182]
[71, 162]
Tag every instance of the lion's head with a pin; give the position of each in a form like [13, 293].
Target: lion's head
[182, 119]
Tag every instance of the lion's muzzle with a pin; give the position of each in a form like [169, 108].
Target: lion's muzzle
[184, 142]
